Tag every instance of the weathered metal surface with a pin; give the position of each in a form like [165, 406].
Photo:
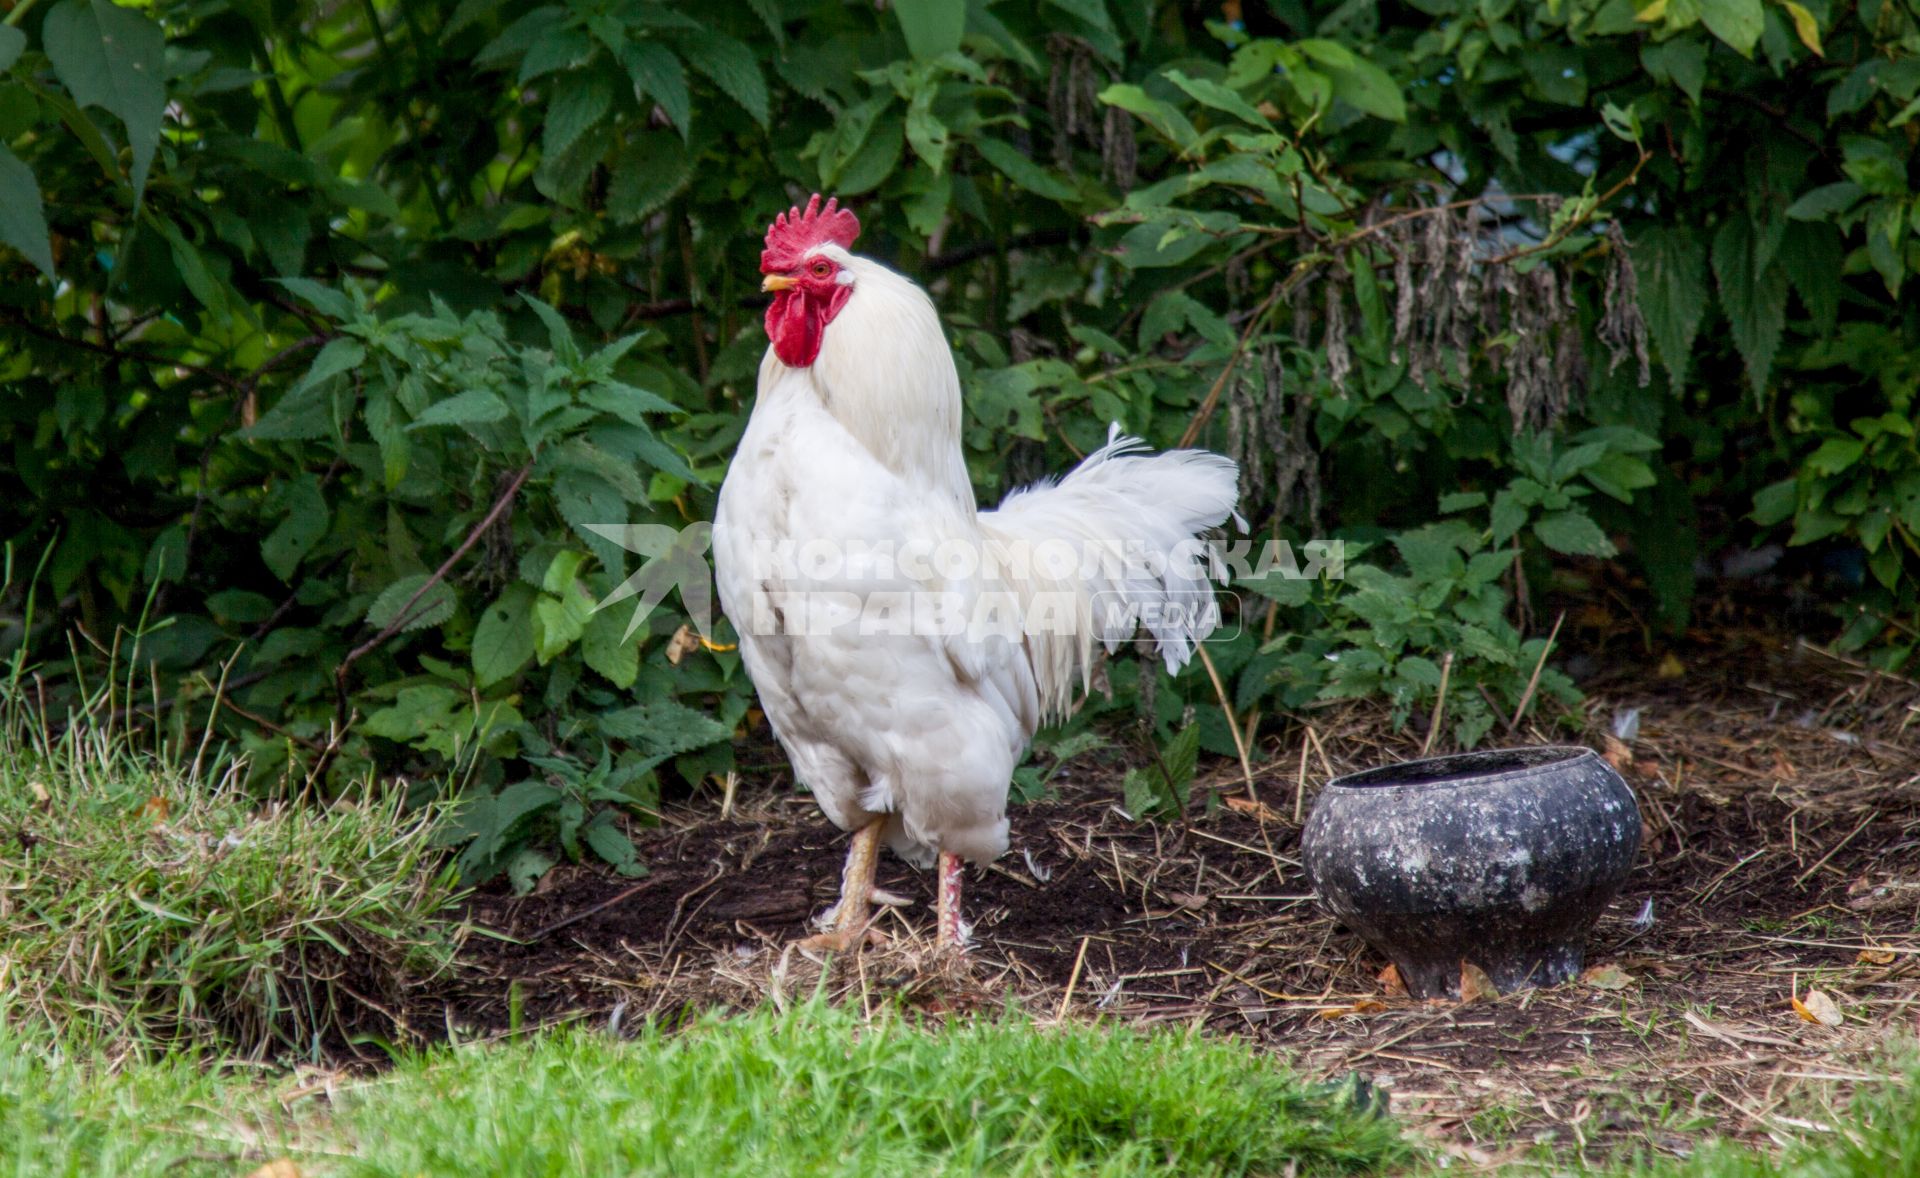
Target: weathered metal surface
[1503, 859]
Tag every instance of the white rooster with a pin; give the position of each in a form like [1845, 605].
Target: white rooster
[905, 644]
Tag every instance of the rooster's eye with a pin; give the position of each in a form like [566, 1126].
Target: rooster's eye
[821, 269]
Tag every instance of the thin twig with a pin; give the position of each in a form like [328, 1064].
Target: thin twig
[221, 701]
[1533, 681]
[1326, 763]
[1439, 704]
[1804, 876]
[1212, 400]
[117, 352]
[206, 734]
[1561, 234]
[1300, 782]
[403, 616]
[1713, 885]
[1226, 709]
[590, 910]
[1073, 979]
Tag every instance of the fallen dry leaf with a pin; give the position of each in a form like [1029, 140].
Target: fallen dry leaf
[683, 643]
[1364, 1006]
[1391, 983]
[156, 808]
[40, 794]
[1483, 1158]
[277, 1168]
[1616, 752]
[1876, 957]
[1260, 810]
[1475, 985]
[1734, 1035]
[1866, 895]
[1606, 977]
[1819, 1007]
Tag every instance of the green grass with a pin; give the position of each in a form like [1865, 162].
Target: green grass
[158, 925]
[1876, 1136]
[143, 908]
[812, 1091]
[59, 1116]
[815, 1090]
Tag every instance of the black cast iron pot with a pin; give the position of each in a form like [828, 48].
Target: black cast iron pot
[1503, 859]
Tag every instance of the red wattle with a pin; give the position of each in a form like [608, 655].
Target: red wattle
[794, 325]
[797, 320]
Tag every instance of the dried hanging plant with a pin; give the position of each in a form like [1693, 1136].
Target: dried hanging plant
[1073, 96]
[1270, 436]
[1296, 456]
[1073, 106]
[1622, 328]
[1456, 284]
[1403, 291]
[1542, 373]
[1119, 154]
[1300, 299]
[1023, 345]
[1339, 356]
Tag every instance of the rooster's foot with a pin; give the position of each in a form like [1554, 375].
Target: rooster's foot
[843, 940]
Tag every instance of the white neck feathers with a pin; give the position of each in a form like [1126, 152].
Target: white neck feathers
[885, 374]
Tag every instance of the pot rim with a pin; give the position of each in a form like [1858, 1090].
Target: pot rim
[1428, 773]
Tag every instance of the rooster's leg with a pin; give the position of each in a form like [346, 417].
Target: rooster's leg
[949, 933]
[852, 918]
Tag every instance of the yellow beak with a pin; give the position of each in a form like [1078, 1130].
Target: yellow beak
[778, 282]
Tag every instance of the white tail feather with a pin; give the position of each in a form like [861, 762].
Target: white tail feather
[1139, 517]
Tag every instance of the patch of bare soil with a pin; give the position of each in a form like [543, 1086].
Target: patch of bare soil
[1781, 794]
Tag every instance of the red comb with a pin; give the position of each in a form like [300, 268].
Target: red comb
[793, 233]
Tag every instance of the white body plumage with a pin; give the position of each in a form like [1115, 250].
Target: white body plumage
[861, 452]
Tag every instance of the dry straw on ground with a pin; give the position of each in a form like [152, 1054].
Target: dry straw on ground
[1781, 795]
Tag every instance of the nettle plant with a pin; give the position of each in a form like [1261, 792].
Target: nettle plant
[468, 515]
[1369, 326]
[1862, 480]
[1392, 257]
[1436, 638]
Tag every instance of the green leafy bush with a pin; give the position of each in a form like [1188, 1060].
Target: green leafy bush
[330, 330]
